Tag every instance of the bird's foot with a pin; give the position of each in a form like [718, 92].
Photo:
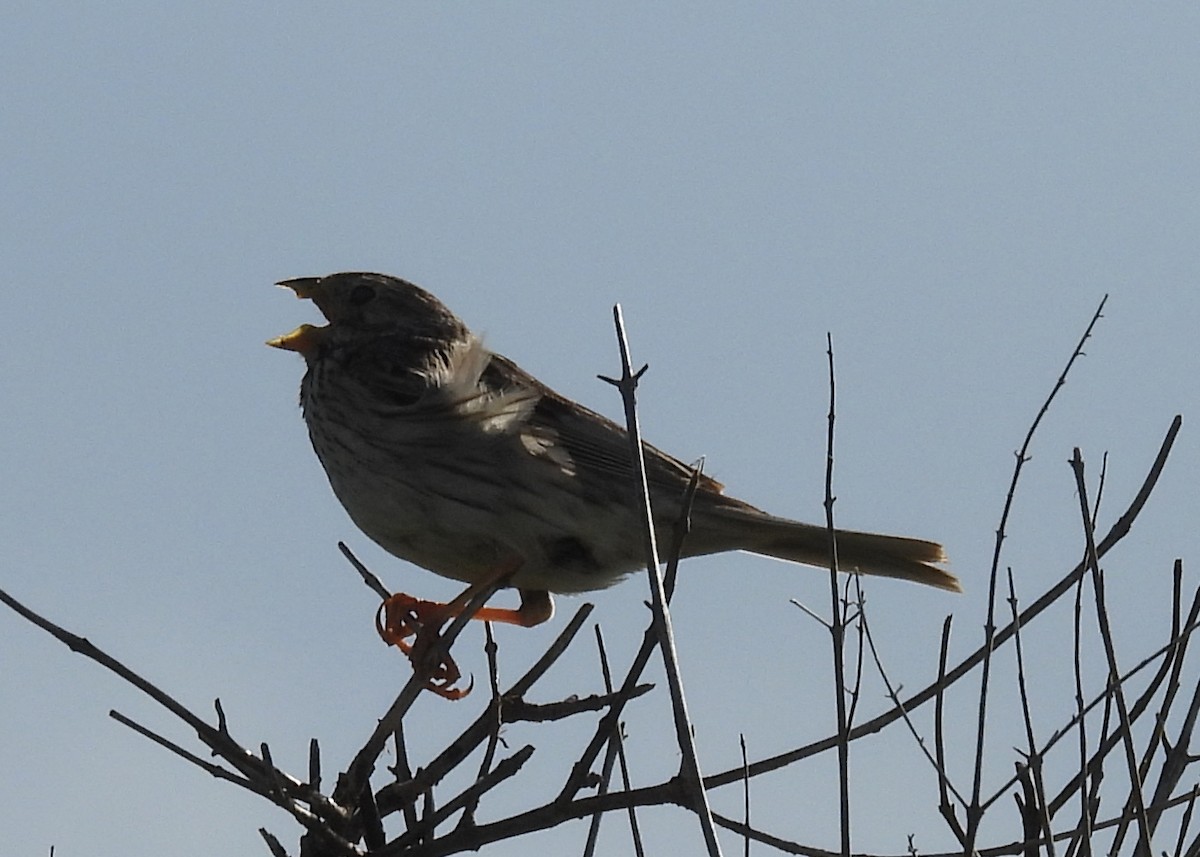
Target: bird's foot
[401, 617]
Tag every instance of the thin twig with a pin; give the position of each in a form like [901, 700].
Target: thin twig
[690, 762]
[1178, 756]
[1028, 808]
[974, 810]
[974, 813]
[520, 711]
[1035, 803]
[373, 835]
[495, 708]
[1185, 824]
[894, 695]
[1082, 839]
[273, 844]
[859, 603]
[402, 771]
[837, 621]
[1110, 653]
[945, 805]
[368, 577]
[214, 769]
[745, 795]
[618, 740]
[812, 614]
[314, 764]
[606, 769]
[278, 792]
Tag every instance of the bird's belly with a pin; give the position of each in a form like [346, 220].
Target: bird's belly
[431, 508]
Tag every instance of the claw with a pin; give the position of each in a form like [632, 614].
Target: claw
[400, 617]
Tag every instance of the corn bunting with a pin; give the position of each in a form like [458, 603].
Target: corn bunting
[457, 460]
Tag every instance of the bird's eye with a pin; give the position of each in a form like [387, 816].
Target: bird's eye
[361, 294]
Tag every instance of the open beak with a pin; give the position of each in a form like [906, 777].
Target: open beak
[306, 338]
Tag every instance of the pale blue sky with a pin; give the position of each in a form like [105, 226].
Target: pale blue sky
[947, 188]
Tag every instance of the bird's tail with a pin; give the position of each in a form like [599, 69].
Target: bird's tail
[724, 528]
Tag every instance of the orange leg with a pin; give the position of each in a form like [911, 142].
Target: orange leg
[536, 607]
[401, 616]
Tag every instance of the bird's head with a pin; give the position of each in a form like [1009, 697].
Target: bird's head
[364, 305]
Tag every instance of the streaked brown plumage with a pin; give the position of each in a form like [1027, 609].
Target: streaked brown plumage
[459, 461]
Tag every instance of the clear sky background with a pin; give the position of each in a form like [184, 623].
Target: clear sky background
[948, 189]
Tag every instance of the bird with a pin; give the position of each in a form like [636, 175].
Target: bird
[454, 458]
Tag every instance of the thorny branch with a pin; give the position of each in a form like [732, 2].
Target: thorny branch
[689, 773]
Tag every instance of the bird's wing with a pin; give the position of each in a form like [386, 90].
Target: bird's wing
[433, 385]
[500, 397]
[593, 442]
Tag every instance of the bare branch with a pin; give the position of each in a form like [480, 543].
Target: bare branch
[216, 770]
[894, 694]
[945, 805]
[1030, 773]
[618, 739]
[277, 850]
[368, 577]
[1110, 653]
[690, 763]
[837, 622]
[1178, 756]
